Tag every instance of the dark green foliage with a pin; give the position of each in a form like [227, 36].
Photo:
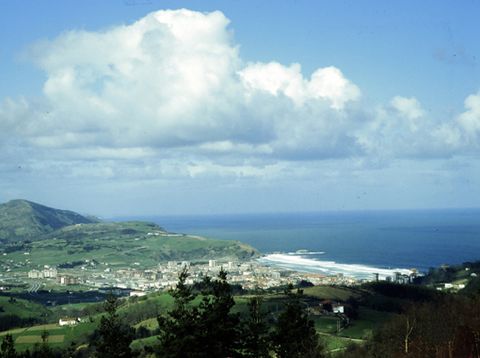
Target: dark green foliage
[72, 264]
[177, 328]
[12, 247]
[206, 330]
[409, 292]
[8, 321]
[351, 308]
[210, 329]
[397, 298]
[218, 331]
[439, 275]
[7, 348]
[42, 350]
[255, 333]
[113, 337]
[473, 287]
[142, 332]
[295, 335]
[304, 284]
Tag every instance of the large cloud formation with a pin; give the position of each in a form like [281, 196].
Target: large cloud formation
[172, 87]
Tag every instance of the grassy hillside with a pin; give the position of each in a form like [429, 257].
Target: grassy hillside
[123, 244]
[24, 220]
[21, 308]
[52, 237]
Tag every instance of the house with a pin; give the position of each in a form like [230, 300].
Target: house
[338, 308]
[67, 321]
[137, 294]
[332, 306]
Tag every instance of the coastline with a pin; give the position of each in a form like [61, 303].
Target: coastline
[300, 263]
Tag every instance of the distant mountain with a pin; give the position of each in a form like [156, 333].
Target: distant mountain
[24, 220]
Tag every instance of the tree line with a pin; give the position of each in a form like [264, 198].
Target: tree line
[447, 327]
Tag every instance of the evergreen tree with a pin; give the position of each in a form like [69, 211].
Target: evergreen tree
[42, 350]
[206, 330]
[295, 335]
[114, 337]
[218, 331]
[178, 327]
[7, 349]
[255, 335]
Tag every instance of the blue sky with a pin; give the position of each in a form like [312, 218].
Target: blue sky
[121, 108]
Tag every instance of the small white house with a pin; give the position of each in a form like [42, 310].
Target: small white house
[68, 321]
[137, 294]
[338, 309]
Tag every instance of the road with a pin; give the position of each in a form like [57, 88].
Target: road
[34, 287]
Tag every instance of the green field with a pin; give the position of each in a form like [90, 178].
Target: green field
[21, 308]
[367, 321]
[58, 336]
[334, 343]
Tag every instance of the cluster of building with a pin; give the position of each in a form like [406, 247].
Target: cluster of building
[247, 274]
[47, 272]
[52, 273]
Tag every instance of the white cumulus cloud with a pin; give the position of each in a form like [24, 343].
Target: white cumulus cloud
[408, 107]
[175, 79]
[469, 120]
[172, 87]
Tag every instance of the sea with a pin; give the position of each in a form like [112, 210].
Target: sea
[354, 243]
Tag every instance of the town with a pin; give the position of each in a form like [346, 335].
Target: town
[250, 275]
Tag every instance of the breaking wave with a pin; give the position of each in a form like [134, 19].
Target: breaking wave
[302, 252]
[298, 263]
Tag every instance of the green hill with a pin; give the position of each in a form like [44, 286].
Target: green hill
[126, 243]
[24, 220]
[53, 237]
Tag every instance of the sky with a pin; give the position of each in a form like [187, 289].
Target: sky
[149, 107]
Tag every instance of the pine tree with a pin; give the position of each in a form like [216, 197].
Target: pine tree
[255, 335]
[295, 335]
[7, 349]
[178, 327]
[206, 330]
[218, 331]
[42, 350]
[114, 337]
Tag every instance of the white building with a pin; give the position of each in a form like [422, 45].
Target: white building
[35, 274]
[338, 309]
[50, 272]
[68, 321]
[137, 294]
[67, 280]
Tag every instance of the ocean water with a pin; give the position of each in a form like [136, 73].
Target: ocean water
[354, 243]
